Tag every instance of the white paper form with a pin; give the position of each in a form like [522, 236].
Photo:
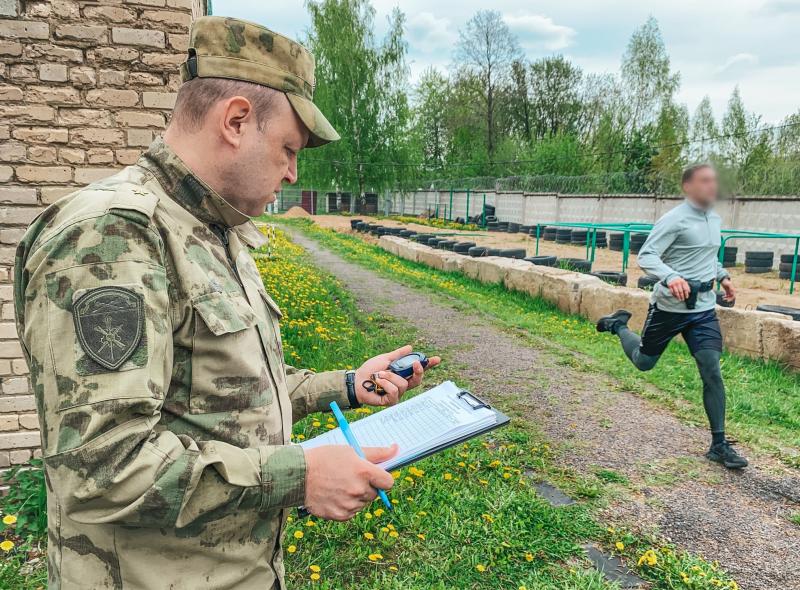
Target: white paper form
[417, 425]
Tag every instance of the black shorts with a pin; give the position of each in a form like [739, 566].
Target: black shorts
[700, 330]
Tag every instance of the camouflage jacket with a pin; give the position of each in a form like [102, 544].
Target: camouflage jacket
[164, 401]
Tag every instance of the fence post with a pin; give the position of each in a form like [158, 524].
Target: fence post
[467, 213]
[450, 217]
[483, 212]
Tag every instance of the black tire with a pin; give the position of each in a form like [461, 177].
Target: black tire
[446, 244]
[575, 264]
[787, 258]
[493, 251]
[491, 219]
[730, 251]
[518, 253]
[757, 270]
[542, 260]
[434, 242]
[787, 267]
[477, 251]
[728, 263]
[463, 247]
[524, 229]
[612, 277]
[407, 233]
[755, 255]
[647, 282]
[790, 311]
[788, 275]
[354, 222]
[513, 228]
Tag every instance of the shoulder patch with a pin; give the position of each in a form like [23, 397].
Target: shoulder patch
[134, 198]
[109, 324]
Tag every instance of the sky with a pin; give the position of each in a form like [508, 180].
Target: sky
[715, 44]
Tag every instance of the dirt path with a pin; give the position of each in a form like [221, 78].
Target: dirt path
[736, 518]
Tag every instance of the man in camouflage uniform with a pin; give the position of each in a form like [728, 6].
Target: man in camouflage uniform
[155, 355]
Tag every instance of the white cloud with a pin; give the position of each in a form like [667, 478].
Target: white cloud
[430, 33]
[780, 7]
[536, 31]
[738, 63]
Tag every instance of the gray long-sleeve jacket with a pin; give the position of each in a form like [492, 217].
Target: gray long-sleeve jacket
[683, 243]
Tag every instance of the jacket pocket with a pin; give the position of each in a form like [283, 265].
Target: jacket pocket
[228, 368]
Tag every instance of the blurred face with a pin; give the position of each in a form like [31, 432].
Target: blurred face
[703, 188]
[264, 159]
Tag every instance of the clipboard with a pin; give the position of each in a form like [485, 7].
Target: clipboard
[475, 402]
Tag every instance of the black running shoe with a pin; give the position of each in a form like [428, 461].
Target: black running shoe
[610, 323]
[724, 453]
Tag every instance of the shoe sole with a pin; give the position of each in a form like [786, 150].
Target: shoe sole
[715, 459]
[601, 327]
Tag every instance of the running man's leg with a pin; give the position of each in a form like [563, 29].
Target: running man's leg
[632, 345]
[659, 328]
[704, 338]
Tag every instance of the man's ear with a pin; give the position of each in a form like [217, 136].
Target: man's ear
[236, 115]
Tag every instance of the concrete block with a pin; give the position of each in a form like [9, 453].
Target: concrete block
[564, 289]
[780, 339]
[741, 329]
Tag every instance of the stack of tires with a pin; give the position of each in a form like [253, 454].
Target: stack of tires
[513, 228]
[549, 234]
[354, 222]
[602, 241]
[616, 242]
[563, 235]
[492, 223]
[647, 282]
[543, 260]
[612, 277]
[502, 226]
[758, 262]
[360, 226]
[785, 267]
[578, 237]
[729, 256]
[526, 229]
[576, 264]
[637, 241]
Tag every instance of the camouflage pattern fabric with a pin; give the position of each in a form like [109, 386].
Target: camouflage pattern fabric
[222, 47]
[164, 401]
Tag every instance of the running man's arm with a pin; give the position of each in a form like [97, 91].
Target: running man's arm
[661, 237]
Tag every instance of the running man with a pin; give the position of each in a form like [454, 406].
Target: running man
[681, 251]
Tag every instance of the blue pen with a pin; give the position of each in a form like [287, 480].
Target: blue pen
[351, 440]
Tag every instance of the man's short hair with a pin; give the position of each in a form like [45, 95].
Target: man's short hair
[197, 96]
[688, 173]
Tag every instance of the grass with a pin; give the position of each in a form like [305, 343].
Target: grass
[763, 397]
[466, 518]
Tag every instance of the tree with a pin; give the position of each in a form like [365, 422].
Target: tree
[431, 93]
[360, 87]
[555, 88]
[646, 75]
[704, 132]
[519, 103]
[486, 49]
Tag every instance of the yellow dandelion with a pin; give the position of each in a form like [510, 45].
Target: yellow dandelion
[529, 557]
[396, 474]
[619, 545]
[420, 536]
[311, 523]
[315, 568]
[448, 476]
[480, 567]
[378, 512]
[369, 536]
[316, 424]
[375, 556]
[506, 475]
[393, 568]
[315, 576]
[9, 519]
[298, 534]
[291, 548]
[368, 515]
[394, 534]
[384, 529]
[7, 545]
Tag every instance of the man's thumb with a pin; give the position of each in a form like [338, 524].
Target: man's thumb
[380, 454]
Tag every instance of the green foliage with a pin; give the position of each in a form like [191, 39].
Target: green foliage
[26, 499]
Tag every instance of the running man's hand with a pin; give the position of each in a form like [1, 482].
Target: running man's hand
[339, 483]
[680, 289]
[727, 286]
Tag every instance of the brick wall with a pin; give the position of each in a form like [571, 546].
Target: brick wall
[84, 87]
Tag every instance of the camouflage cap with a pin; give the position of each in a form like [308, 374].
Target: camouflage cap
[221, 47]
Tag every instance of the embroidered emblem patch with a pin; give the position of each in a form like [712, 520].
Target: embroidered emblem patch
[109, 323]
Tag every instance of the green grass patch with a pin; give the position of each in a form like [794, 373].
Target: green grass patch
[763, 397]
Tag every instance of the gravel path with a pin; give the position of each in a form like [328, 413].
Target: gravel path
[739, 519]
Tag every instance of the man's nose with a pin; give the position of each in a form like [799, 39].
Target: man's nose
[291, 172]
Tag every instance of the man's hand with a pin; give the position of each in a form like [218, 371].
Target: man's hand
[680, 289]
[339, 483]
[394, 385]
[727, 286]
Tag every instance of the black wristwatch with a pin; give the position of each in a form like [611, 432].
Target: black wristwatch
[350, 382]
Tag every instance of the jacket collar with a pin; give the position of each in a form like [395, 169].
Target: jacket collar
[183, 186]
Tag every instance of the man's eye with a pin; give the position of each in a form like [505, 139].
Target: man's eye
[291, 152]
